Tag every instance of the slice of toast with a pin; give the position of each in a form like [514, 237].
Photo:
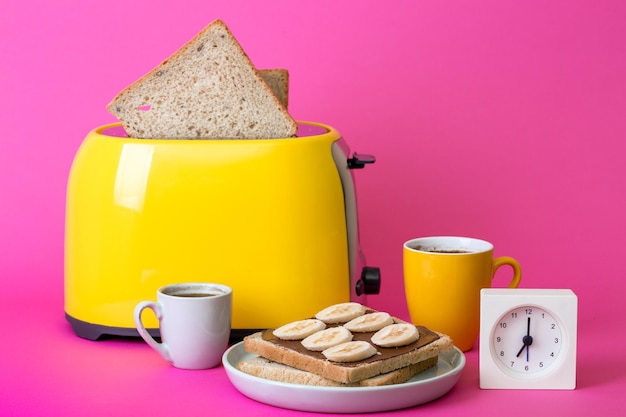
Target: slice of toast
[278, 81]
[209, 88]
[264, 368]
[291, 352]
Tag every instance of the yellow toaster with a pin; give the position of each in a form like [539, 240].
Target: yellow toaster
[275, 219]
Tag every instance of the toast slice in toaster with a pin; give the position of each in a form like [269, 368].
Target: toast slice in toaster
[387, 359]
[277, 80]
[208, 89]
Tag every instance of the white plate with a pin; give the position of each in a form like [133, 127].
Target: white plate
[424, 387]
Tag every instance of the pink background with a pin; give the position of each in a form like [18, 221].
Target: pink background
[501, 120]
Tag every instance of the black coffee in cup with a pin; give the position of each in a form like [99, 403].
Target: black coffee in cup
[193, 294]
[434, 249]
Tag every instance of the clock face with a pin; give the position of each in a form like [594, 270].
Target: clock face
[527, 339]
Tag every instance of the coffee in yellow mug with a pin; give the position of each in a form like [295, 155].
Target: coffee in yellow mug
[443, 276]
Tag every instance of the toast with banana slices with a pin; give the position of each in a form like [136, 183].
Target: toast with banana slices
[347, 343]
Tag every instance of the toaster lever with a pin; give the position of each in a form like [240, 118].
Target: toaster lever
[359, 160]
[369, 282]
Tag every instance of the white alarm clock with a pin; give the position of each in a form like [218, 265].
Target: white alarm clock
[528, 338]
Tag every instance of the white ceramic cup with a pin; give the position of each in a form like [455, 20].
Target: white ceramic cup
[194, 322]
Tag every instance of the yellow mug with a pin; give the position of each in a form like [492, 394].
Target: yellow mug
[443, 276]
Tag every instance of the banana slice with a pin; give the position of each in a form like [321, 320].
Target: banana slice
[300, 329]
[350, 351]
[394, 335]
[340, 313]
[327, 338]
[369, 322]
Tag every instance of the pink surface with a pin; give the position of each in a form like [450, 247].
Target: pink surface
[498, 120]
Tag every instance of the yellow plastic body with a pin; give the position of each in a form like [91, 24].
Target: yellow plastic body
[265, 217]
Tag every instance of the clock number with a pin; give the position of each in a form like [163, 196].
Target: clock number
[556, 340]
[514, 315]
[501, 353]
[526, 368]
[498, 339]
[503, 325]
[553, 326]
[528, 311]
[541, 364]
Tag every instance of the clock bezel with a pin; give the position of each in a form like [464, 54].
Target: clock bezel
[562, 304]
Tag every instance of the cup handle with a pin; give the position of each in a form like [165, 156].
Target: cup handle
[517, 270]
[158, 312]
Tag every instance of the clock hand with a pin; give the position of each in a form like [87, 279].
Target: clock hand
[527, 340]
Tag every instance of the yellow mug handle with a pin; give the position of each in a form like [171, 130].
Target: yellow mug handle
[517, 270]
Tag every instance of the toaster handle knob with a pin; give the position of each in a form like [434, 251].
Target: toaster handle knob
[369, 282]
[359, 160]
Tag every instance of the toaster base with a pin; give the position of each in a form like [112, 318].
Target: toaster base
[91, 331]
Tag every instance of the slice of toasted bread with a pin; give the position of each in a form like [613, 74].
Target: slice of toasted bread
[278, 81]
[209, 88]
[264, 368]
[291, 352]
